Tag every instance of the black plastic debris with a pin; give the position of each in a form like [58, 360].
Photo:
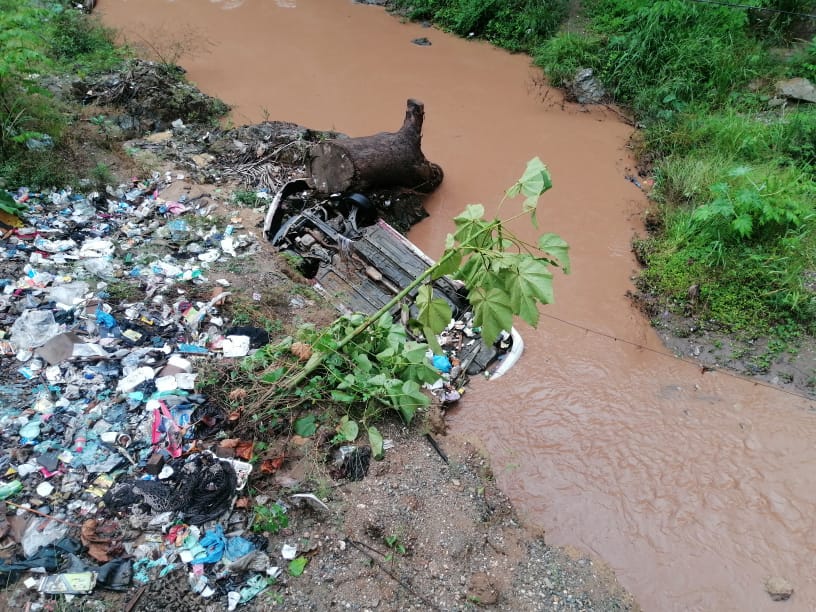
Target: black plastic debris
[200, 488]
[354, 465]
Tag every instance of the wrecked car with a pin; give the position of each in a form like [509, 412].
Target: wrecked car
[359, 262]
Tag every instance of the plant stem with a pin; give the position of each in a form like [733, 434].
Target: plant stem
[317, 359]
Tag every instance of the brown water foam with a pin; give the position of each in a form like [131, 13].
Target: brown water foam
[694, 487]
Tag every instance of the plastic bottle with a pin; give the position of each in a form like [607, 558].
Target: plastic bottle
[79, 441]
[9, 489]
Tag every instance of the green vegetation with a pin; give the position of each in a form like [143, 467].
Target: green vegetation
[271, 518]
[364, 366]
[733, 241]
[394, 542]
[43, 38]
[395, 547]
[297, 566]
[517, 25]
[248, 199]
[733, 175]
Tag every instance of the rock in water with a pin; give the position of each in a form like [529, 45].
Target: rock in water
[778, 588]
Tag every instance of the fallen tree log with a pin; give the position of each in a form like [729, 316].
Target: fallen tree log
[384, 160]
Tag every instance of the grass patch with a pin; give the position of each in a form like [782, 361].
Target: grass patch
[516, 25]
[43, 38]
[733, 175]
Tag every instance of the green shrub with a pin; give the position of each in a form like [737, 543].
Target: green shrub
[755, 207]
[803, 62]
[747, 244]
[565, 53]
[20, 54]
[82, 43]
[781, 26]
[271, 518]
[517, 25]
[42, 37]
[671, 54]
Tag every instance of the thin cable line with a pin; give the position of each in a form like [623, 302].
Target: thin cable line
[677, 358]
[766, 9]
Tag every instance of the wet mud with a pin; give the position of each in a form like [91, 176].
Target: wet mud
[693, 485]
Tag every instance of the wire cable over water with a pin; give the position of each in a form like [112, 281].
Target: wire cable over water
[703, 368]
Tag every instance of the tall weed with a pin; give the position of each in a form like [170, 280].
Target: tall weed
[82, 43]
[782, 25]
[671, 54]
[565, 53]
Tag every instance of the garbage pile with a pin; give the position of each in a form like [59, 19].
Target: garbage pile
[464, 355]
[106, 479]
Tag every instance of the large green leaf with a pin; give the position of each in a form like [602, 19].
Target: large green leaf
[378, 380]
[472, 212]
[536, 178]
[743, 225]
[348, 429]
[420, 372]
[533, 284]
[470, 224]
[273, 376]
[504, 261]
[410, 400]
[449, 263]
[526, 307]
[414, 352]
[415, 364]
[363, 362]
[473, 271]
[347, 382]
[342, 397]
[306, 426]
[387, 353]
[535, 278]
[554, 245]
[534, 182]
[434, 313]
[430, 338]
[375, 439]
[492, 310]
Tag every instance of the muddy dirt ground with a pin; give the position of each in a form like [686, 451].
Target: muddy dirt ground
[790, 366]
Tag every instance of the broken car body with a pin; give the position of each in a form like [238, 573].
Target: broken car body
[359, 263]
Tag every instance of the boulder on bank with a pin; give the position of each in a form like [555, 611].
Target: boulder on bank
[799, 89]
[585, 88]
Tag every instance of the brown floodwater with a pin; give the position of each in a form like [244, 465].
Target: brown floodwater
[694, 487]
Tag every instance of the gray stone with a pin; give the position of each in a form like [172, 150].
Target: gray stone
[586, 88]
[797, 89]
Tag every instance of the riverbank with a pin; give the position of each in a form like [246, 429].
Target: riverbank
[728, 269]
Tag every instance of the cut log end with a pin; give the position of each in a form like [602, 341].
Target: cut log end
[384, 160]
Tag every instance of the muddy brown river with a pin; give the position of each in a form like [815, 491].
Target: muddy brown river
[694, 487]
